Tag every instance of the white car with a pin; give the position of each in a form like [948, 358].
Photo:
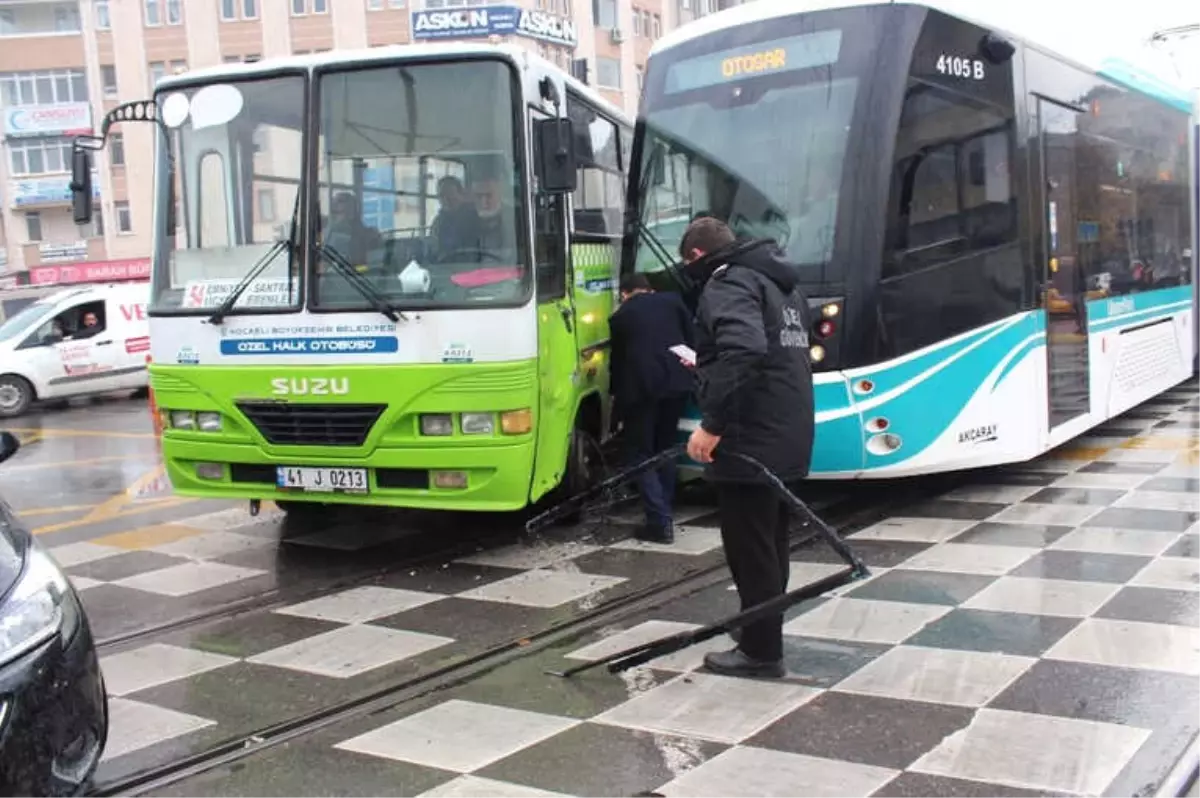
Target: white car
[78, 341]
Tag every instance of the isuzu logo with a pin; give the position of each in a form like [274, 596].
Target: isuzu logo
[310, 386]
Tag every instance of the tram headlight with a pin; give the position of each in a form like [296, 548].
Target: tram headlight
[816, 353]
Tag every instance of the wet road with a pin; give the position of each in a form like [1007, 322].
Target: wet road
[1034, 631]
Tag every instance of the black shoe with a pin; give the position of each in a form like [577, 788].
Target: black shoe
[736, 663]
[655, 533]
[736, 635]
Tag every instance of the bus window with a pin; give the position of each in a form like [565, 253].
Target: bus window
[599, 199]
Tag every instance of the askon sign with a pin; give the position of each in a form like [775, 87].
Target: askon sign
[60, 119]
[494, 21]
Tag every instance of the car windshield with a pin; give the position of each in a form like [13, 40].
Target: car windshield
[765, 154]
[238, 154]
[419, 187]
[25, 319]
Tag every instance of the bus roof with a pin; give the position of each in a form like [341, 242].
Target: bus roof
[383, 54]
[1078, 47]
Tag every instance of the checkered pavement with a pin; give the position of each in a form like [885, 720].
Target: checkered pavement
[1037, 634]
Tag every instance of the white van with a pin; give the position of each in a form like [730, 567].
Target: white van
[86, 340]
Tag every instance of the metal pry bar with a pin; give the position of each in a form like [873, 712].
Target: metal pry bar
[857, 569]
[572, 503]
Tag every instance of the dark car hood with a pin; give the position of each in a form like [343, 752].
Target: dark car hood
[14, 540]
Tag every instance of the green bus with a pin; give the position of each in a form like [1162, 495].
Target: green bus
[381, 277]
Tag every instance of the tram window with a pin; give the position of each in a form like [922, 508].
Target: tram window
[952, 191]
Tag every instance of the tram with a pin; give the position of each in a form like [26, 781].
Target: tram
[995, 238]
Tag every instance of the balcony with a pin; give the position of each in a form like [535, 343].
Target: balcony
[39, 19]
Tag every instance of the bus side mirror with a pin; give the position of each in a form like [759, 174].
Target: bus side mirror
[81, 185]
[556, 155]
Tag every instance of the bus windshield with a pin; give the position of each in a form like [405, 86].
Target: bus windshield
[764, 153]
[419, 187]
[237, 151]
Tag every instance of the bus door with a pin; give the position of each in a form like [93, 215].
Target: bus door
[1062, 290]
[558, 360]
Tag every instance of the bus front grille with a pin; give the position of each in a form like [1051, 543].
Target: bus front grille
[282, 423]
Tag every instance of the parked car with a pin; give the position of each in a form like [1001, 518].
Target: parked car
[53, 709]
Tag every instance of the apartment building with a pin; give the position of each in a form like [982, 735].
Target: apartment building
[65, 63]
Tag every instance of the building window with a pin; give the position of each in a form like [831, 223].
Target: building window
[249, 9]
[374, 5]
[39, 156]
[33, 226]
[637, 22]
[44, 87]
[655, 26]
[108, 80]
[298, 8]
[177, 68]
[97, 222]
[396, 3]
[228, 10]
[153, 13]
[124, 217]
[157, 70]
[66, 19]
[174, 12]
[266, 205]
[103, 20]
[608, 72]
[604, 13]
[231, 59]
[320, 6]
[116, 149]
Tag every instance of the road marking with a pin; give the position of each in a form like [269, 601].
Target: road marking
[92, 461]
[147, 536]
[137, 509]
[71, 508]
[80, 433]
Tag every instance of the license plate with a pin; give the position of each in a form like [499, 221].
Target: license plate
[322, 480]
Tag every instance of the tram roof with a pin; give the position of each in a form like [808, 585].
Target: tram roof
[368, 56]
[1122, 68]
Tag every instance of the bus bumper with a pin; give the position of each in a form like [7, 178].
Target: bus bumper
[497, 476]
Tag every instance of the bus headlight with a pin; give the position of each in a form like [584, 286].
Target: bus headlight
[437, 424]
[209, 421]
[516, 422]
[478, 424]
[183, 419]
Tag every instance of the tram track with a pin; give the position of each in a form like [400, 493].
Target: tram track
[845, 515]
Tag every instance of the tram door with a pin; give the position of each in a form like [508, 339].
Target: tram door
[1063, 283]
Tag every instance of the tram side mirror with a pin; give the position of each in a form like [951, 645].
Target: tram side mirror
[81, 185]
[8, 445]
[556, 155]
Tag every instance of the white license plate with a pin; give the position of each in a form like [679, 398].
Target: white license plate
[322, 480]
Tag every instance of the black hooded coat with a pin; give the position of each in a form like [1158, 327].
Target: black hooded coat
[755, 378]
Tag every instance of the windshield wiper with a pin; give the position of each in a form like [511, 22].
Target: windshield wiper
[266, 260]
[360, 283]
[258, 268]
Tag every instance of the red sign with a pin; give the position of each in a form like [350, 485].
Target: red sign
[98, 271]
[135, 345]
[131, 312]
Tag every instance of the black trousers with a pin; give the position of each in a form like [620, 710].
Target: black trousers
[651, 427]
[754, 532]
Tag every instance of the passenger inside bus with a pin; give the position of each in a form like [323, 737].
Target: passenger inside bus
[346, 232]
[457, 218]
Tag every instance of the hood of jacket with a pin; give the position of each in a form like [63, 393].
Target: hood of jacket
[768, 260]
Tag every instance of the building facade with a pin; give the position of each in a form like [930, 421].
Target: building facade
[65, 63]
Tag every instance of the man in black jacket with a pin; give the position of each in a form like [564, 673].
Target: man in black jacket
[650, 386]
[756, 399]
